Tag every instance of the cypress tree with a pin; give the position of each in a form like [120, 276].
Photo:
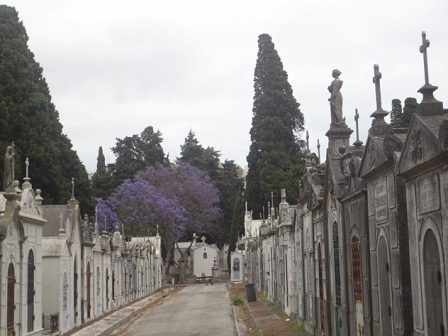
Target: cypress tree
[102, 184]
[401, 117]
[395, 113]
[275, 159]
[410, 104]
[30, 119]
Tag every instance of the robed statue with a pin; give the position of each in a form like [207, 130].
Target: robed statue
[8, 172]
[336, 99]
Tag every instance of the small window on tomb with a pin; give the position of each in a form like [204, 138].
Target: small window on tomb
[204, 255]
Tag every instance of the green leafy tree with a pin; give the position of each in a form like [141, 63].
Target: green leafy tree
[205, 159]
[135, 153]
[275, 158]
[224, 176]
[229, 184]
[32, 121]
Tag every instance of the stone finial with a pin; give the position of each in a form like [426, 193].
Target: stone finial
[283, 195]
[26, 179]
[73, 188]
[379, 114]
[429, 105]
[61, 228]
[39, 198]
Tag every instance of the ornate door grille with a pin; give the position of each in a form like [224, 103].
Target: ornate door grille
[356, 264]
[88, 289]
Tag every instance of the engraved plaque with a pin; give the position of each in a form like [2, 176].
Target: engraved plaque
[428, 191]
[380, 200]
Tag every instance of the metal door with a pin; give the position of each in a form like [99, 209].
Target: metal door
[433, 285]
[11, 301]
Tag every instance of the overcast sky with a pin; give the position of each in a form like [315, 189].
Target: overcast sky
[116, 67]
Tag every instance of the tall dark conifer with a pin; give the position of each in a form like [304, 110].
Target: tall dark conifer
[401, 117]
[396, 113]
[275, 159]
[30, 119]
[102, 183]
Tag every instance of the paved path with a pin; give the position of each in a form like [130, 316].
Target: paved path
[194, 311]
[106, 325]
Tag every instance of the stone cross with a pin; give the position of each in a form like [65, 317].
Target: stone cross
[203, 239]
[27, 163]
[356, 120]
[307, 141]
[60, 217]
[73, 187]
[423, 47]
[376, 80]
[318, 149]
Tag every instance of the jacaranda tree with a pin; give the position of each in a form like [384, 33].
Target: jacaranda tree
[179, 200]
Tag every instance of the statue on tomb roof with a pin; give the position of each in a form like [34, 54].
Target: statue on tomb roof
[336, 99]
[8, 173]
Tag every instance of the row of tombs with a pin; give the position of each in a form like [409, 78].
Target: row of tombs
[364, 250]
[57, 271]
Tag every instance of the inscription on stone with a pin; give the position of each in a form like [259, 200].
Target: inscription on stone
[380, 201]
[428, 194]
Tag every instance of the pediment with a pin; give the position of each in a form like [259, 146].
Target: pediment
[427, 138]
[28, 206]
[374, 155]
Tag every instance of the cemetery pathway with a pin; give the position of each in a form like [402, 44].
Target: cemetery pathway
[194, 311]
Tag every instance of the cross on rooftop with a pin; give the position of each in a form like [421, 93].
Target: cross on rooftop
[73, 187]
[203, 239]
[307, 141]
[356, 120]
[376, 80]
[423, 48]
[318, 148]
[379, 114]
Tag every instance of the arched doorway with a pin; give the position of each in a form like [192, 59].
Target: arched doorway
[357, 285]
[11, 301]
[433, 285]
[88, 289]
[30, 291]
[321, 290]
[384, 282]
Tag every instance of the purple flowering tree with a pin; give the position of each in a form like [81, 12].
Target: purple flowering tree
[180, 200]
[139, 208]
